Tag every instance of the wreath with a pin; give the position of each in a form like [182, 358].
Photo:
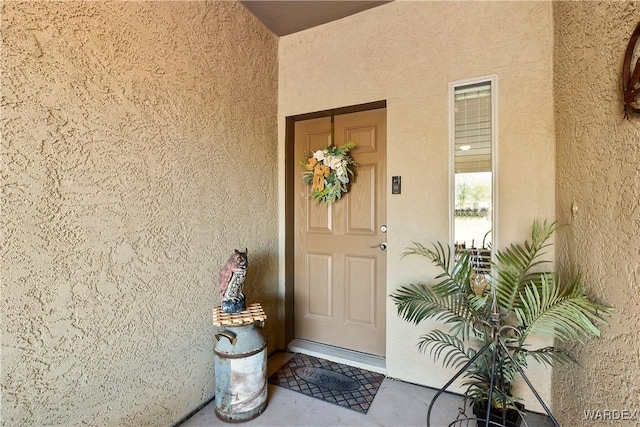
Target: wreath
[329, 172]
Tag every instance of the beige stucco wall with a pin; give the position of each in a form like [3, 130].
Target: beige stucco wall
[407, 53]
[598, 167]
[136, 144]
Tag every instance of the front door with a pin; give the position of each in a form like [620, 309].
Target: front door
[339, 270]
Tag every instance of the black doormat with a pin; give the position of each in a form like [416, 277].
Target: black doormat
[343, 385]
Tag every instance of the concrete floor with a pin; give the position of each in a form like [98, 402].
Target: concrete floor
[396, 404]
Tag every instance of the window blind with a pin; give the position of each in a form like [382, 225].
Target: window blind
[473, 128]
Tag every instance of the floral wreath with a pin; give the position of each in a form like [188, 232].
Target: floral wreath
[328, 172]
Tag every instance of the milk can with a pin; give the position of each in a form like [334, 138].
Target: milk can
[241, 372]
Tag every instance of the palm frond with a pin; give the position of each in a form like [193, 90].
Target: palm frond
[481, 303]
[418, 302]
[454, 350]
[563, 312]
[549, 355]
[460, 275]
[478, 378]
[455, 272]
[515, 266]
[440, 255]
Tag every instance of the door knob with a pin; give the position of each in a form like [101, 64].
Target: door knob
[382, 246]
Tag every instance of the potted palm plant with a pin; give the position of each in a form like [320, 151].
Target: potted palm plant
[520, 298]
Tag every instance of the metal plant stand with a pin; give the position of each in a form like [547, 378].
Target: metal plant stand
[498, 331]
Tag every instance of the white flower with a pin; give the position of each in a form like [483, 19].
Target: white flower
[333, 162]
[341, 170]
[319, 155]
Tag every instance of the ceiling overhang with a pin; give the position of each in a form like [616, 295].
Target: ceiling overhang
[287, 17]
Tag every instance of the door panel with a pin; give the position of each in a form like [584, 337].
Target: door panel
[319, 282]
[361, 214]
[361, 291]
[339, 270]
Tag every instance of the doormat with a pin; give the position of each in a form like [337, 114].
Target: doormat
[342, 385]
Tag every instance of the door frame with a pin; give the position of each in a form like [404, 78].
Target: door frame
[290, 168]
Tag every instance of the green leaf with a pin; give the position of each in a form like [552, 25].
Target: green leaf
[562, 311]
[445, 346]
[416, 303]
[514, 266]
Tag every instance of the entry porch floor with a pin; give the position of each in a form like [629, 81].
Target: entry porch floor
[397, 404]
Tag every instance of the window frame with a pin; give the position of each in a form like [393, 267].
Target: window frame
[493, 81]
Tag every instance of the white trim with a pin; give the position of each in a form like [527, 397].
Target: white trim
[494, 163]
[493, 79]
[452, 168]
[366, 361]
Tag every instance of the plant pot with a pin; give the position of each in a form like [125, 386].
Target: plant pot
[512, 419]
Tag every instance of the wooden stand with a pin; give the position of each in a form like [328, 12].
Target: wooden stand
[253, 313]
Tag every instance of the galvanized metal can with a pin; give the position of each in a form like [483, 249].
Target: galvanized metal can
[241, 373]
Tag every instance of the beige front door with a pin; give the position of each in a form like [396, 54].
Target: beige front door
[339, 265]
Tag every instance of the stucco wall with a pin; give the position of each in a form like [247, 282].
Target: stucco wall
[598, 166]
[136, 144]
[407, 53]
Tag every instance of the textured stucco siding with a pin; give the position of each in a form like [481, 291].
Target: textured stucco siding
[138, 150]
[598, 164]
[407, 53]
